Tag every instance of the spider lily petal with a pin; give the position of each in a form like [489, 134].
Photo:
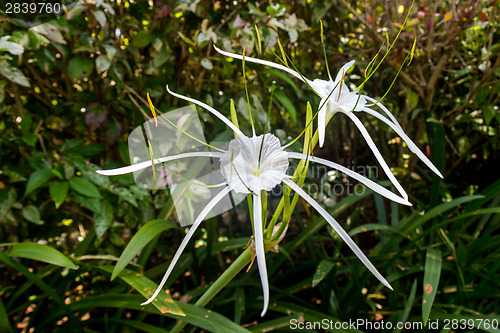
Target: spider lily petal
[263, 62]
[186, 239]
[340, 231]
[208, 108]
[397, 128]
[145, 164]
[322, 123]
[342, 99]
[377, 154]
[411, 145]
[382, 106]
[369, 183]
[343, 70]
[259, 250]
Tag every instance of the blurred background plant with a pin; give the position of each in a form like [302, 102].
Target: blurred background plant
[74, 88]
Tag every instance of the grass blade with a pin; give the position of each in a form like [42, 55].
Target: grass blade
[431, 281]
[146, 287]
[4, 319]
[145, 234]
[40, 252]
[324, 267]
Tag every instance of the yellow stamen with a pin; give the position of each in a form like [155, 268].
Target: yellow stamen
[151, 156]
[321, 24]
[243, 62]
[151, 106]
[258, 38]
[341, 81]
[283, 54]
[234, 117]
[412, 51]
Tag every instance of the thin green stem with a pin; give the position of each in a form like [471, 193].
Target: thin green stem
[393, 81]
[304, 79]
[267, 123]
[246, 92]
[324, 50]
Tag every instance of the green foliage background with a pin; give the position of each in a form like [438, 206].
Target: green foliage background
[73, 89]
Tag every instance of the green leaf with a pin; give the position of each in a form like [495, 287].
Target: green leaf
[100, 17]
[58, 191]
[371, 227]
[40, 252]
[137, 324]
[32, 214]
[124, 194]
[30, 140]
[413, 224]
[186, 39]
[88, 171]
[411, 100]
[11, 47]
[13, 74]
[239, 304]
[94, 204]
[146, 288]
[276, 324]
[4, 319]
[408, 305]
[489, 113]
[145, 234]
[84, 187]
[205, 319]
[37, 179]
[282, 76]
[102, 63]
[142, 39]
[36, 280]
[431, 281]
[324, 267]
[194, 315]
[103, 219]
[287, 104]
[7, 199]
[80, 67]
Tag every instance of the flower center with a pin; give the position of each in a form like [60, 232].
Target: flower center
[254, 164]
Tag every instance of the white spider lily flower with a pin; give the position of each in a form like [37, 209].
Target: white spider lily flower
[251, 165]
[336, 97]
